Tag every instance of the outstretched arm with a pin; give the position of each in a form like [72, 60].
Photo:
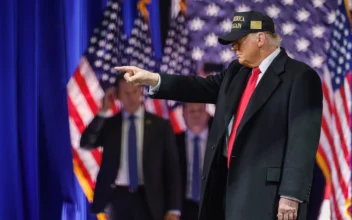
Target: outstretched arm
[188, 88]
[177, 87]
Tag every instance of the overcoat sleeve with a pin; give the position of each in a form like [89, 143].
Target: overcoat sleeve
[304, 127]
[192, 88]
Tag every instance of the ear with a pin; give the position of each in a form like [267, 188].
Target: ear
[261, 38]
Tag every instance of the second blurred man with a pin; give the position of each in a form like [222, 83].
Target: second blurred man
[191, 146]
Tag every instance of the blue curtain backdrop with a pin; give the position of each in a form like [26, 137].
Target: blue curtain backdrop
[41, 43]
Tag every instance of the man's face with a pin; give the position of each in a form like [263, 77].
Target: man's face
[196, 117]
[247, 50]
[130, 96]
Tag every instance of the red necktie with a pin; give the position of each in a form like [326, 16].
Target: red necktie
[241, 108]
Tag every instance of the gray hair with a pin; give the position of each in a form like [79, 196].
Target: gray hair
[274, 39]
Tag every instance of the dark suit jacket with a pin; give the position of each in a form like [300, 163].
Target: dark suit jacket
[162, 181]
[276, 141]
[181, 146]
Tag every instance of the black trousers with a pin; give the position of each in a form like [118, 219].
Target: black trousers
[190, 210]
[126, 205]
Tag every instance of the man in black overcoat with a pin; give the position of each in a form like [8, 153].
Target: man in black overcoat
[264, 136]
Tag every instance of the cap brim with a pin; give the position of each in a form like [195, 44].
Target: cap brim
[232, 36]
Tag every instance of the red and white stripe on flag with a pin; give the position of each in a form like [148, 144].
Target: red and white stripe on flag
[334, 153]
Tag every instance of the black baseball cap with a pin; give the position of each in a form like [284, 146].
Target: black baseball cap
[244, 23]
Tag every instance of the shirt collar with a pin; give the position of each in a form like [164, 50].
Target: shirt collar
[138, 114]
[263, 66]
[203, 135]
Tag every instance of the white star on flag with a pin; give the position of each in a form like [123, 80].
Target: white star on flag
[212, 9]
[113, 16]
[211, 40]
[331, 17]
[104, 77]
[226, 25]
[197, 53]
[302, 44]
[302, 15]
[318, 31]
[93, 40]
[287, 2]
[91, 49]
[196, 24]
[273, 11]
[243, 8]
[317, 60]
[318, 3]
[226, 55]
[288, 28]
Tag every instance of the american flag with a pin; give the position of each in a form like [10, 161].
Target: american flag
[304, 25]
[334, 154]
[140, 53]
[177, 60]
[316, 32]
[108, 47]
[86, 87]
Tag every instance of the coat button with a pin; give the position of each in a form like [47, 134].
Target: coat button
[213, 147]
[203, 177]
[113, 186]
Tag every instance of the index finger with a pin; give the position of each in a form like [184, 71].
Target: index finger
[125, 68]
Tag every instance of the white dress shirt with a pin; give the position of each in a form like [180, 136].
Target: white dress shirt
[123, 177]
[189, 154]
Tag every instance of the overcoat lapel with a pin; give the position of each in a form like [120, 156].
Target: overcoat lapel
[234, 94]
[265, 88]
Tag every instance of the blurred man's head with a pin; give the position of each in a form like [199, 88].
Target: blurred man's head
[209, 68]
[130, 96]
[196, 117]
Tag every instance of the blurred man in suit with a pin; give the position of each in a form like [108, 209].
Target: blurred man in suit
[139, 178]
[191, 148]
[265, 134]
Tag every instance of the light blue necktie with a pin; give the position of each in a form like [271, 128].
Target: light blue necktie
[196, 170]
[132, 154]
